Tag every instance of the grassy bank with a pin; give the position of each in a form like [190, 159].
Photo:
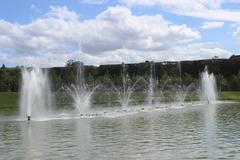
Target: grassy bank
[11, 99]
[8, 99]
[230, 95]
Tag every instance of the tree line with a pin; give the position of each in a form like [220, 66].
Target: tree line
[227, 73]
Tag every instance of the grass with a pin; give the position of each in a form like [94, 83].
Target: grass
[8, 99]
[229, 95]
[11, 99]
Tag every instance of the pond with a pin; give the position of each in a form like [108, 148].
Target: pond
[191, 132]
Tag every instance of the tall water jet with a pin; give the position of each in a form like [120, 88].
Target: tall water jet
[126, 89]
[80, 92]
[183, 89]
[180, 75]
[208, 86]
[180, 94]
[35, 93]
[152, 87]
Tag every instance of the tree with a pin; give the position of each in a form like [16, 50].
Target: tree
[188, 79]
[70, 63]
[234, 82]
[3, 66]
[221, 82]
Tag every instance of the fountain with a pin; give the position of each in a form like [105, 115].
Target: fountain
[125, 92]
[35, 93]
[153, 86]
[80, 92]
[180, 74]
[182, 93]
[183, 90]
[208, 86]
[161, 90]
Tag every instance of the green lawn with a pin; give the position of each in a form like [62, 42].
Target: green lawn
[8, 99]
[229, 95]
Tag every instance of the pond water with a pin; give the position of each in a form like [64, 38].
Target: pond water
[191, 132]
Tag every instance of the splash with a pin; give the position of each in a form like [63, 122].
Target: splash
[80, 92]
[36, 95]
[208, 86]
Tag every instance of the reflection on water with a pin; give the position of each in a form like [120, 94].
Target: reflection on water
[210, 131]
[200, 132]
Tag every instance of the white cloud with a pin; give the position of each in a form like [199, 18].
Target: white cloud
[114, 36]
[209, 25]
[61, 13]
[188, 52]
[93, 1]
[200, 51]
[207, 9]
[236, 34]
[117, 28]
[60, 36]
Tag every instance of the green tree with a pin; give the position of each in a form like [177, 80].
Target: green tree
[221, 82]
[187, 79]
[234, 82]
[3, 66]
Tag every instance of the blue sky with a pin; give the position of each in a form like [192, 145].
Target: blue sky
[50, 32]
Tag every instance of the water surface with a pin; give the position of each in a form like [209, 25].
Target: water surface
[193, 132]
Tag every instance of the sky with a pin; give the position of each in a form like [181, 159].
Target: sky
[48, 33]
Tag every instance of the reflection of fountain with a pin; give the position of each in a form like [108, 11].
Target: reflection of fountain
[210, 116]
[80, 93]
[208, 86]
[35, 92]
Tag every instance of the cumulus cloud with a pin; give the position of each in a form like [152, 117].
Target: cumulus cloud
[61, 13]
[114, 36]
[194, 51]
[60, 35]
[118, 28]
[207, 9]
[209, 25]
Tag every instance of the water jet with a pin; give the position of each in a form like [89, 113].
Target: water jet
[208, 86]
[152, 87]
[80, 92]
[35, 92]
